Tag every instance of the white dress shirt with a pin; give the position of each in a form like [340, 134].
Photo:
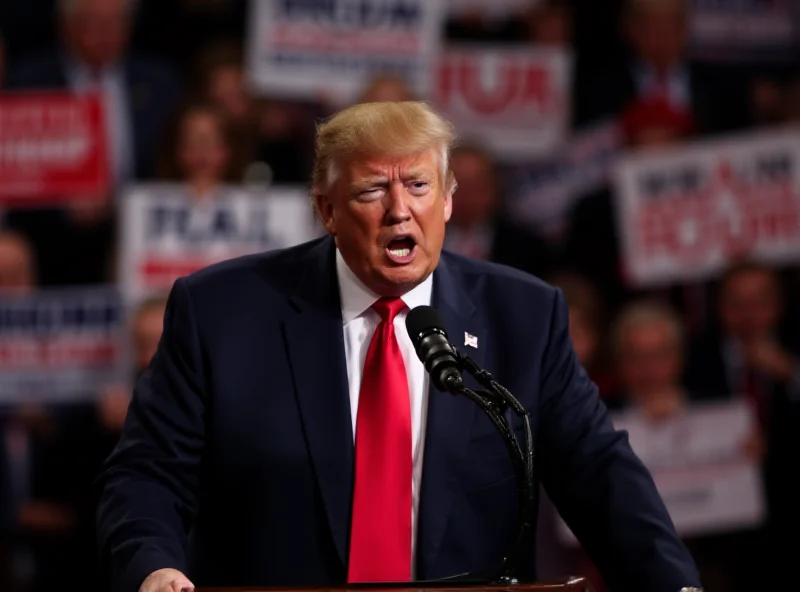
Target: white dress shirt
[359, 323]
[112, 87]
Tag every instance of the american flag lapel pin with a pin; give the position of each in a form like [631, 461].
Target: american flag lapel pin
[470, 340]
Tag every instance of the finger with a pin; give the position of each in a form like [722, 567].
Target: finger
[182, 585]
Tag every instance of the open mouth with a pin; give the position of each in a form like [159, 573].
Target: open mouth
[402, 249]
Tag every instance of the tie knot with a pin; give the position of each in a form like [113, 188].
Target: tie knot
[388, 308]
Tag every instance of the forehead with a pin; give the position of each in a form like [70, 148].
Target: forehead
[391, 167]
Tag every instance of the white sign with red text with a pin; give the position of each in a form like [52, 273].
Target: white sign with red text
[311, 50]
[698, 462]
[167, 234]
[61, 344]
[514, 100]
[686, 213]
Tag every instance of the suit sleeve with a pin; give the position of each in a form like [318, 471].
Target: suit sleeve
[601, 489]
[147, 490]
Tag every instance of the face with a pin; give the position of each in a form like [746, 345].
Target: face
[97, 31]
[227, 90]
[583, 335]
[649, 359]
[203, 151]
[749, 306]
[474, 199]
[16, 266]
[147, 328]
[658, 36]
[388, 216]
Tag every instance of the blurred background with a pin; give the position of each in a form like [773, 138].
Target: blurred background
[642, 155]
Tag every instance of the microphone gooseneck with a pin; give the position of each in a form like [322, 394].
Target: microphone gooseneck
[445, 364]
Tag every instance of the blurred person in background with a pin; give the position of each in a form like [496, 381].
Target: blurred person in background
[587, 329]
[199, 149]
[138, 93]
[386, 87]
[73, 245]
[649, 345]
[593, 237]
[477, 229]
[658, 66]
[755, 353]
[267, 131]
[37, 482]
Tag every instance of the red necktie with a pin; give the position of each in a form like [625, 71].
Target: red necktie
[380, 536]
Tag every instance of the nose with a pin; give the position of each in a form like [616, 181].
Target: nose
[397, 209]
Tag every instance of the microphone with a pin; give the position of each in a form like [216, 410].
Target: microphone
[426, 329]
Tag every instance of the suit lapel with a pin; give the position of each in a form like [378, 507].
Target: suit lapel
[448, 421]
[316, 352]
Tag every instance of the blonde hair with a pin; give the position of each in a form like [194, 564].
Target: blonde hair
[388, 128]
[645, 313]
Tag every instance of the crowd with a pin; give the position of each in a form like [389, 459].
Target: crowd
[173, 77]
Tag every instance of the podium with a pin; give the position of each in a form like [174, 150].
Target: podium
[572, 584]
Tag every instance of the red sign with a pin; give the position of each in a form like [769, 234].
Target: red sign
[52, 149]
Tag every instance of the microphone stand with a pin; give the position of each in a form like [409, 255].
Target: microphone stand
[495, 401]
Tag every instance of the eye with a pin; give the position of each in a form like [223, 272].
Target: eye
[370, 194]
[419, 187]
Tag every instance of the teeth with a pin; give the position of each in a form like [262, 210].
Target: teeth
[400, 252]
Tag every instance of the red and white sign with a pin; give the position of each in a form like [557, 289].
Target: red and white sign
[167, 234]
[61, 344]
[331, 49]
[516, 101]
[52, 149]
[688, 212]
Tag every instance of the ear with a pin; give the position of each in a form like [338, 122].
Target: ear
[326, 212]
[448, 197]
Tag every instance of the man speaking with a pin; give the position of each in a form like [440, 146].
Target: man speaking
[286, 433]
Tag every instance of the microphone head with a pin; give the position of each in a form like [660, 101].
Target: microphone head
[422, 320]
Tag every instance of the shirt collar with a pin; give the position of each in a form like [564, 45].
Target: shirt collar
[356, 297]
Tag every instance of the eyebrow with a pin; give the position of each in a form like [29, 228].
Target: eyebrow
[382, 180]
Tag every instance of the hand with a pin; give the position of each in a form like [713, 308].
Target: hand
[166, 580]
[770, 359]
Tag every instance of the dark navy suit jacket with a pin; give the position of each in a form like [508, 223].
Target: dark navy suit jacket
[236, 461]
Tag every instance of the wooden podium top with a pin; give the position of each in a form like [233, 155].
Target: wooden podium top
[566, 585]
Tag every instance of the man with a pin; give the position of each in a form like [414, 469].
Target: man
[284, 433]
[138, 96]
[477, 228]
[656, 32]
[756, 354]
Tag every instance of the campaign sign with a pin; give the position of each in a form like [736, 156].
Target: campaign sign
[514, 100]
[308, 49]
[543, 192]
[52, 149]
[698, 462]
[167, 233]
[744, 30]
[685, 213]
[61, 344]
